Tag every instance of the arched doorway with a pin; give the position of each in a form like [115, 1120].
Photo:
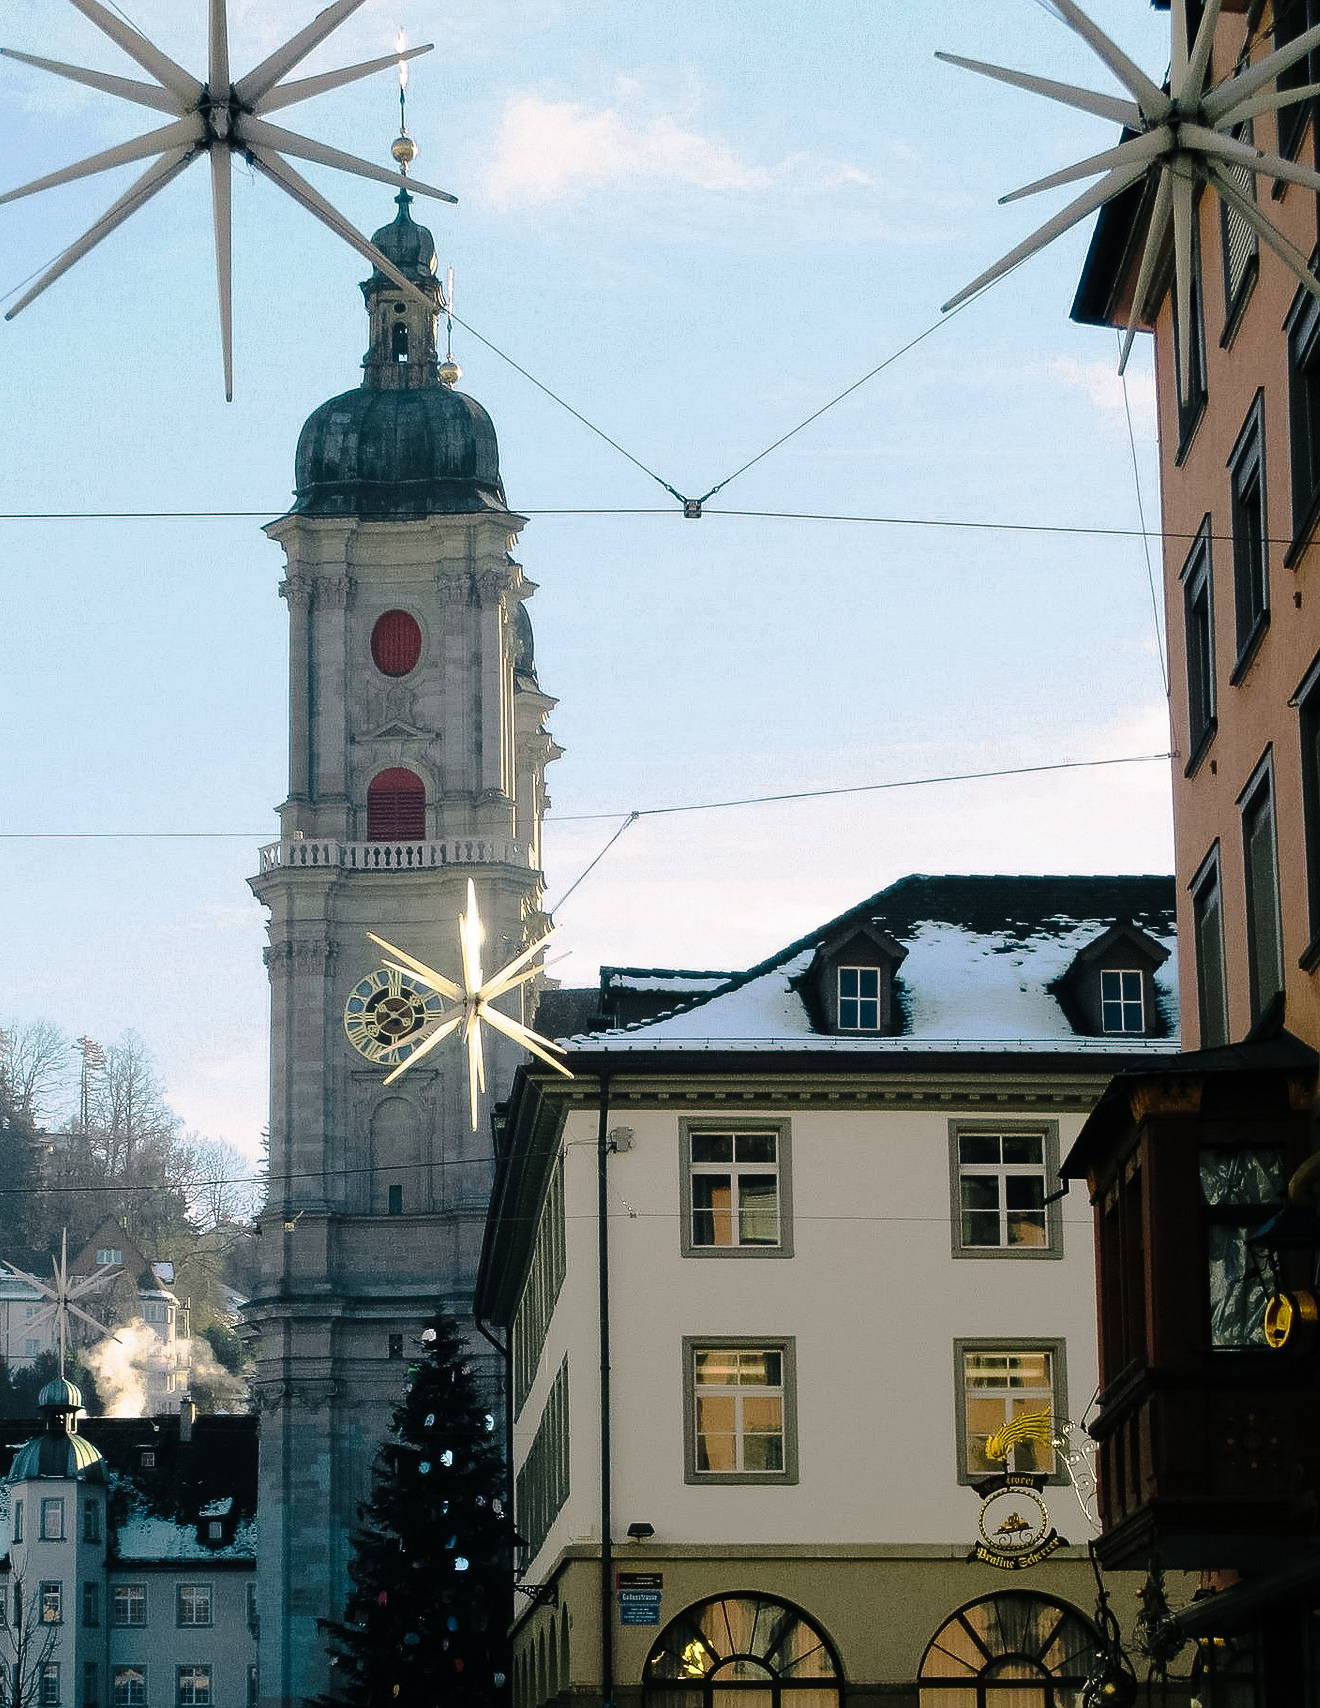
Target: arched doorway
[1014, 1650]
[742, 1651]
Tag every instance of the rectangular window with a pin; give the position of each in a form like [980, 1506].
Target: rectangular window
[859, 999]
[91, 1521]
[1122, 1008]
[1208, 933]
[253, 1687]
[194, 1687]
[1199, 628]
[48, 1687]
[394, 1346]
[734, 1185]
[130, 1604]
[52, 1520]
[1013, 1391]
[18, 1522]
[1264, 925]
[130, 1687]
[52, 1603]
[1307, 701]
[153, 1312]
[1238, 241]
[1291, 19]
[1250, 520]
[1303, 327]
[194, 1604]
[91, 1603]
[108, 1254]
[252, 1621]
[542, 1485]
[1191, 397]
[396, 1201]
[541, 1289]
[1238, 1190]
[739, 1408]
[1001, 1178]
[91, 1690]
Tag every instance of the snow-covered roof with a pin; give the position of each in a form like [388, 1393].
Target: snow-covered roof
[143, 1534]
[662, 978]
[983, 955]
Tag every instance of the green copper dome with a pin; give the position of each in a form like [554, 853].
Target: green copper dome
[59, 1451]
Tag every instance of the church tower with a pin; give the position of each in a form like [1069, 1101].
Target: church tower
[417, 749]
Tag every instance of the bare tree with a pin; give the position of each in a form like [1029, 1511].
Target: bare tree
[221, 1187]
[28, 1643]
[36, 1068]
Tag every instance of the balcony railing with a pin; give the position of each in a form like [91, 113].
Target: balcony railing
[394, 856]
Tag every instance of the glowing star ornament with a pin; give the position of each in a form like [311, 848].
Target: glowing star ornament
[220, 118]
[1183, 137]
[62, 1295]
[475, 996]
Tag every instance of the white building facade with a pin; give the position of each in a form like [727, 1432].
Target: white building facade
[810, 1226]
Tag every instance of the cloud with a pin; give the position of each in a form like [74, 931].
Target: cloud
[548, 149]
[1103, 384]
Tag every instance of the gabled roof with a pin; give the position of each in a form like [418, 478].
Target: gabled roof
[981, 954]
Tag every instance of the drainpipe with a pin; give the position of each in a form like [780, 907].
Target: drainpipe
[606, 1548]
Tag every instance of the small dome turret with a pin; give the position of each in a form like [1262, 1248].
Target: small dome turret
[59, 1451]
[406, 443]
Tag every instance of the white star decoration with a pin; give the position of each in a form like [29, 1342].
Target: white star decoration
[219, 118]
[475, 994]
[1183, 136]
[62, 1295]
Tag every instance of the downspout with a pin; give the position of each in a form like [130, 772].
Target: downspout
[606, 1547]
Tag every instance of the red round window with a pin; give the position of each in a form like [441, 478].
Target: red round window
[396, 643]
[396, 806]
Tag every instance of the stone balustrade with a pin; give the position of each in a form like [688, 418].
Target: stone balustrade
[393, 856]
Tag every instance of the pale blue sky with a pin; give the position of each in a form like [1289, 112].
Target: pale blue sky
[696, 224]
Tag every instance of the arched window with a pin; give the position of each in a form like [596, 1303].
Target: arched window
[396, 643]
[400, 342]
[396, 806]
[742, 1651]
[1009, 1651]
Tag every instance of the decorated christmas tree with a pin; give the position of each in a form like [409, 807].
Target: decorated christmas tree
[427, 1617]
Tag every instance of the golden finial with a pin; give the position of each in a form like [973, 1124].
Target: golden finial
[403, 148]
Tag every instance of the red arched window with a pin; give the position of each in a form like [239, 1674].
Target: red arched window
[396, 806]
[396, 643]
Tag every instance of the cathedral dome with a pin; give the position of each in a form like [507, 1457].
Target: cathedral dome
[419, 452]
[406, 443]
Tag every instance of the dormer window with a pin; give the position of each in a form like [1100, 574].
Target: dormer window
[849, 986]
[859, 999]
[1109, 989]
[1122, 1008]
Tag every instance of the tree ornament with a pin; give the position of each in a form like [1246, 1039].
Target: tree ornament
[1183, 138]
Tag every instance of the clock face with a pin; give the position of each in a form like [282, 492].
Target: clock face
[387, 1015]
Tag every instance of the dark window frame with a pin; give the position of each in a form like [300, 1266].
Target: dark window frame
[1303, 332]
[1291, 19]
[1261, 887]
[1307, 702]
[1249, 510]
[1237, 237]
[1197, 577]
[1191, 411]
[1207, 892]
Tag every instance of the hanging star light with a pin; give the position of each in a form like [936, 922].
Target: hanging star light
[219, 118]
[475, 996]
[1182, 137]
[62, 1295]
